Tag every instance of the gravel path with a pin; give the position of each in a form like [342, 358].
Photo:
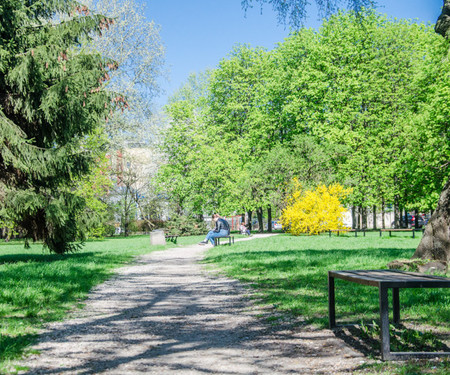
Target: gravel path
[166, 314]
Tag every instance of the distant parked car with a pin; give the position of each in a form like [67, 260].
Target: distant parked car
[412, 221]
[277, 225]
[420, 220]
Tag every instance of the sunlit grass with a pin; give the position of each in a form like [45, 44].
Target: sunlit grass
[290, 273]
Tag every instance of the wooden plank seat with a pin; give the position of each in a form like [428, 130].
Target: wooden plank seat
[412, 230]
[347, 231]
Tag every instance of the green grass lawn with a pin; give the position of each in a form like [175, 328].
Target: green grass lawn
[289, 275]
[38, 287]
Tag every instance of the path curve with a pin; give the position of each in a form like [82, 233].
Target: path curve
[166, 314]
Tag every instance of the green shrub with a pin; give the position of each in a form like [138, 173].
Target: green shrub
[109, 230]
[182, 225]
[133, 227]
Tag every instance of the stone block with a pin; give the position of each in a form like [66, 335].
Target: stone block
[157, 237]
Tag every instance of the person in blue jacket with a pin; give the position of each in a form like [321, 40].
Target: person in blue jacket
[221, 229]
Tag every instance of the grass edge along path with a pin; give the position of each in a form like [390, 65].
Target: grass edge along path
[288, 275]
[37, 287]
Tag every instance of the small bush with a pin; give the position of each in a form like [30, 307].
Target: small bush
[314, 211]
[109, 230]
[146, 226]
[133, 227]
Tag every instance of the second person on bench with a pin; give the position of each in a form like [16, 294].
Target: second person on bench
[221, 229]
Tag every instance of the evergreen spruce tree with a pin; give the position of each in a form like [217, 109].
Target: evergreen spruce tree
[51, 100]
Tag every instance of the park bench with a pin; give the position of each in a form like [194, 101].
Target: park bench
[390, 230]
[347, 231]
[171, 238]
[383, 280]
[217, 240]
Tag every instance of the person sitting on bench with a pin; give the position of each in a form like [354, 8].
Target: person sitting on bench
[221, 229]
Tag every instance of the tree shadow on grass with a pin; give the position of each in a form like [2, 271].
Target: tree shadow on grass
[38, 258]
[365, 338]
[12, 347]
[296, 282]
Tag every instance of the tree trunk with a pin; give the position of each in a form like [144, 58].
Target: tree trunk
[259, 214]
[353, 217]
[269, 219]
[435, 243]
[443, 22]
[360, 217]
[401, 224]
[374, 213]
[249, 215]
[364, 217]
[395, 215]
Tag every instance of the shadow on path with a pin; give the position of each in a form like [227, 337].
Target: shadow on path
[165, 315]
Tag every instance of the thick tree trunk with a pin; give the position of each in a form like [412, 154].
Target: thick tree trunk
[259, 213]
[443, 22]
[249, 215]
[435, 243]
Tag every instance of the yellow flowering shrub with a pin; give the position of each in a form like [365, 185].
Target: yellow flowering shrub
[314, 211]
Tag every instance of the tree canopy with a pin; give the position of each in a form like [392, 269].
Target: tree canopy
[344, 104]
[51, 98]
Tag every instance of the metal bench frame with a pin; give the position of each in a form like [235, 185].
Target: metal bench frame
[171, 238]
[385, 279]
[217, 240]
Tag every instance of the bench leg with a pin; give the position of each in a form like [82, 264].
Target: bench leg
[396, 305]
[331, 303]
[384, 324]
[414, 233]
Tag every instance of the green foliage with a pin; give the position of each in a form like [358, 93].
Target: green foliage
[51, 99]
[184, 225]
[361, 102]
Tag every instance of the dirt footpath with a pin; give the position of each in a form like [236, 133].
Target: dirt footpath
[166, 314]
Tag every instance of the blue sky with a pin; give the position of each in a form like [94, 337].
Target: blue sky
[197, 34]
